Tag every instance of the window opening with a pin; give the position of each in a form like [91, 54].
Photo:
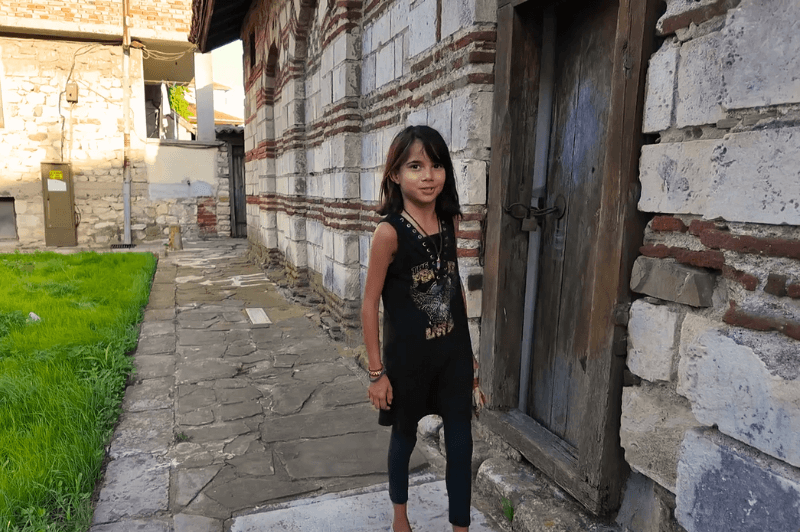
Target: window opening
[8, 218]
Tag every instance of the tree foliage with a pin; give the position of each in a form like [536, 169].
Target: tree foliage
[177, 100]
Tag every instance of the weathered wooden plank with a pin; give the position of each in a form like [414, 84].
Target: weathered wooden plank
[546, 451]
[601, 457]
[597, 25]
[513, 123]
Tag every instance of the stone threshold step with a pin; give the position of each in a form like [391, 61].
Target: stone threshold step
[361, 510]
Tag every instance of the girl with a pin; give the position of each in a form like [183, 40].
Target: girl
[427, 356]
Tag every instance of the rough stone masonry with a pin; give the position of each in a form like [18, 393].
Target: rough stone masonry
[716, 341]
[328, 86]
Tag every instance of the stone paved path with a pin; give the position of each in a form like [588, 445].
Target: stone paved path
[226, 418]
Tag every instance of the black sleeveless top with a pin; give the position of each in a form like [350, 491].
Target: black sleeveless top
[426, 344]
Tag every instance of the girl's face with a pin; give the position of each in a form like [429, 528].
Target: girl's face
[420, 179]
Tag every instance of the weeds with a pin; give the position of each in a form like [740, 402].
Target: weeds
[62, 379]
[508, 509]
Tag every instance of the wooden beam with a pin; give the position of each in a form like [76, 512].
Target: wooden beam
[546, 451]
[510, 178]
[622, 230]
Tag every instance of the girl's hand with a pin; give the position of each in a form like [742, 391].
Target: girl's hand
[380, 393]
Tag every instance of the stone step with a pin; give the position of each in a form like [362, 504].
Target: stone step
[362, 510]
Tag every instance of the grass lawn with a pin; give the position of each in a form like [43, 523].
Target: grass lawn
[62, 378]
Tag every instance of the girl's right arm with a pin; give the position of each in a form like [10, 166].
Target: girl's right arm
[384, 247]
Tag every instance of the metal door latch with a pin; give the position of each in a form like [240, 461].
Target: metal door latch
[530, 215]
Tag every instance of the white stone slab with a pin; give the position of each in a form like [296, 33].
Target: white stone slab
[744, 177]
[258, 316]
[741, 386]
[653, 341]
[368, 511]
[761, 41]
[661, 88]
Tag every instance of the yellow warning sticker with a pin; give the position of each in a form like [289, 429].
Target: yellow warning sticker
[56, 174]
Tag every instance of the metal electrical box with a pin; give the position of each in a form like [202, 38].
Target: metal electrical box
[60, 219]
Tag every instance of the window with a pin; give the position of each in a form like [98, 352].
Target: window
[8, 218]
[252, 51]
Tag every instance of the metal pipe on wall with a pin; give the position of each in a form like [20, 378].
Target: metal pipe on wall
[541, 149]
[126, 110]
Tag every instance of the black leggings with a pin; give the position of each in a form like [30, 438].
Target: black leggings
[458, 477]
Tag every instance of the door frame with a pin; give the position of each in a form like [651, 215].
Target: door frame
[594, 470]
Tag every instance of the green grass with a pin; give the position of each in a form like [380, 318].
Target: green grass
[62, 378]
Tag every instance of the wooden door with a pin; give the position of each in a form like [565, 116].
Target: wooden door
[584, 55]
[239, 207]
[567, 423]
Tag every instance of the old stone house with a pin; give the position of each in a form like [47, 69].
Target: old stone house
[76, 169]
[630, 244]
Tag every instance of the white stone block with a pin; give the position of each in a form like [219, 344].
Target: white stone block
[364, 242]
[368, 74]
[346, 150]
[367, 187]
[326, 185]
[653, 332]
[422, 27]
[440, 118]
[746, 383]
[472, 121]
[723, 485]
[339, 46]
[326, 89]
[345, 81]
[327, 243]
[367, 46]
[326, 64]
[471, 178]
[297, 253]
[418, 118]
[660, 91]
[399, 17]
[314, 232]
[653, 424]
[369, 150]
[457, 14]
[400, 54]
[297, 228]
[345, 248]
[346, 281]
[762, 43]
[346, 185]
[387, 135]
[744, 177]
[382, 30]
[700, 86]
[384, 65]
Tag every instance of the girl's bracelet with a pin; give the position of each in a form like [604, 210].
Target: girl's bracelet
[375, 376]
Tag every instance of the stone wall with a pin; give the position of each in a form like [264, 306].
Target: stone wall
[40, 125]
[714, 344]
[160, 19]
[327, 90]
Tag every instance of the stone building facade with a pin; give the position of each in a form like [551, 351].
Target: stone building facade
[328, 86]
[46, 46]
[714, 342]
[710, 406]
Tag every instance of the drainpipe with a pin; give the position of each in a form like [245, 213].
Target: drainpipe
[542, 147]
[126, 110]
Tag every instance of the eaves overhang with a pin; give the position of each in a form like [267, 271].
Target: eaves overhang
[217, 23]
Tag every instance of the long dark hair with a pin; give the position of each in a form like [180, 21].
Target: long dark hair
[447, 205]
